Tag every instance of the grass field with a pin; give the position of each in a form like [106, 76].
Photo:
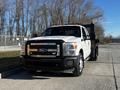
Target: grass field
[9, 60]
[9, 54]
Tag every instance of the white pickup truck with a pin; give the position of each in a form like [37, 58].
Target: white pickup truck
[59, 48]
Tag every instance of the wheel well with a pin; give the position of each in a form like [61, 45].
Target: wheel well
[81, 51]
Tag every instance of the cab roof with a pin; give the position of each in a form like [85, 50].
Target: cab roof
[66, 25]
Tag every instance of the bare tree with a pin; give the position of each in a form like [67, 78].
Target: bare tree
[2, 16]
[22, 17]
[27, 15]
[18, 17]
[11, 22]
[30, 16]
[56, 12]
[99, 30]
[73, 8]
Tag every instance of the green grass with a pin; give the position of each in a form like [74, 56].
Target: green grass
[9, 54]
[9, 60]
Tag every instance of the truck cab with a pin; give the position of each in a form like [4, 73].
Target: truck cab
[59, 48]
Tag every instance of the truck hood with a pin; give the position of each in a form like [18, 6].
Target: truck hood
[64, 38]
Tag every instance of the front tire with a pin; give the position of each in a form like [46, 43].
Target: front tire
[78, 68]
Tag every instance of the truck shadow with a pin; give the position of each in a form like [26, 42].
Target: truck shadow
[53, 74]
[38, 75]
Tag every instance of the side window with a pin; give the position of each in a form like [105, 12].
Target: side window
[87, 34]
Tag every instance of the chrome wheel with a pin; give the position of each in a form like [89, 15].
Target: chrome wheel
[78, 68]
[81, 63]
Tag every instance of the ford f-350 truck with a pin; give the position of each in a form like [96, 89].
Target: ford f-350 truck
[59, 48]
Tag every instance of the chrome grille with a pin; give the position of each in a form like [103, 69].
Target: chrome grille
[43, 49]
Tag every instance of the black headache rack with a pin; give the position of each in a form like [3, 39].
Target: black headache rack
[90, 28]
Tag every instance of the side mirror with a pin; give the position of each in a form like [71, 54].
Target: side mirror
[84, 37]
[97, 41]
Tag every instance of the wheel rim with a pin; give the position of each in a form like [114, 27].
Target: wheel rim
[81, 64]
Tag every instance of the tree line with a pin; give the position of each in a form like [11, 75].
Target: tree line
[25, 17]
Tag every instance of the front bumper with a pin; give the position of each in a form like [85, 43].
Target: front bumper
[47, 64]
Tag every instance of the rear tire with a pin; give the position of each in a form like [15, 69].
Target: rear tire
[78, 68]
[94, 56]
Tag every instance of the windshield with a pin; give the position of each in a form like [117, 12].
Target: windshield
[63, 31]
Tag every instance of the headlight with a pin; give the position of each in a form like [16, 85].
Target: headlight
[23, 48]
[69, 49]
